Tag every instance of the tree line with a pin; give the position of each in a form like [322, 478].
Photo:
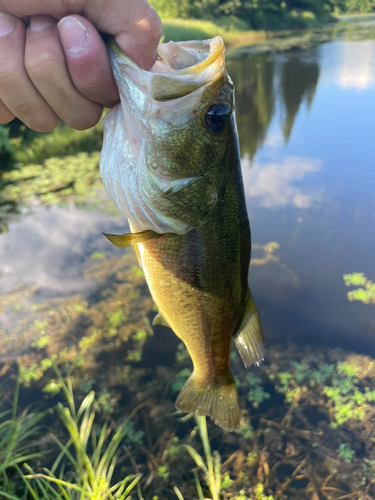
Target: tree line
[263, 14]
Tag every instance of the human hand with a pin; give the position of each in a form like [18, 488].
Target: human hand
[57, 67]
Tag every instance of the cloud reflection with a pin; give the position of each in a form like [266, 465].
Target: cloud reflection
[358, 65]
[49, 247]
[271, 184]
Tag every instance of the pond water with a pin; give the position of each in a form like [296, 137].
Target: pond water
[306, 120]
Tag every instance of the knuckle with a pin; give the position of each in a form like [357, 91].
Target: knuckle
[150, 27]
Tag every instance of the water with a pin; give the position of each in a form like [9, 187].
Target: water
[306, 125]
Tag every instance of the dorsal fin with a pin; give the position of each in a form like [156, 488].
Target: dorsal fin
[249, 338]
[160, 320]
[127, 240]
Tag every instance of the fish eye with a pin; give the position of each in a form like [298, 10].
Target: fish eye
[218, 116]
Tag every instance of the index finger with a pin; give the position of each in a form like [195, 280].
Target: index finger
[134, 23]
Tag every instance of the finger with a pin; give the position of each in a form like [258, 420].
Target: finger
[5, 115]
[17, 93]
[87, 60]
[134, 23]
[46, 66]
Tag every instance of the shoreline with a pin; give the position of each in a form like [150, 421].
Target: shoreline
[248, 42]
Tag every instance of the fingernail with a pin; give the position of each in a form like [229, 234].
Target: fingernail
[73, 34]
[40, 22]
[7, 24]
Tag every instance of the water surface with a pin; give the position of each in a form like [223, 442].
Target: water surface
[307, 128]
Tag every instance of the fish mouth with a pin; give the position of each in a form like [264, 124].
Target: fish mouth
[181, 68]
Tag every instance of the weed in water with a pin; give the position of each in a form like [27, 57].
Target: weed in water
[93, 470]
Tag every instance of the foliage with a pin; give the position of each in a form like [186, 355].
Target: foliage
[339, 384]
[366, 292]
[18, 436]
[256, 394]
[6, 149]
[69, 330]
[61, 142]
[260, 14]
[212, 467]
[92, 456]
[344, 451]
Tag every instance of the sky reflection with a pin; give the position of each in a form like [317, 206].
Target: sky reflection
[271, 184]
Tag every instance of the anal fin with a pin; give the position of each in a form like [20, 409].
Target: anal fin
[127, 240]
[160, 320]
[249, 338]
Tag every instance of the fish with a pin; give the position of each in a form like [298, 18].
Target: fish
[171, 162]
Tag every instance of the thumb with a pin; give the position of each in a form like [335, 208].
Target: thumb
[135, 25]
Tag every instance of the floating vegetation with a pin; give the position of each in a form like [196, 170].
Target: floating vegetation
[73, 179]
[268, 250]
[366, 292]
[72, 330]
[308, 416]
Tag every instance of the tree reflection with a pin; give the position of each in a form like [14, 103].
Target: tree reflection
[255, 99]
[298, 81]
[262, 81]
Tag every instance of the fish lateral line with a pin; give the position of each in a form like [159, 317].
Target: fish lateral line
[127, 240]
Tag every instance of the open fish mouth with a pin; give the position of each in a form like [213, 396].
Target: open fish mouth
[181, 68]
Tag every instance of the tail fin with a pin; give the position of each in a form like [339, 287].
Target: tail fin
[219, 401]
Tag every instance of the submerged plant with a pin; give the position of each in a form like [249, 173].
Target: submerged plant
[366, 292]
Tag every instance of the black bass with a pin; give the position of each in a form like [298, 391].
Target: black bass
[171, 162]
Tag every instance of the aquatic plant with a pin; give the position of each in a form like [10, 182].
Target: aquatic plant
[339, 384]
[18, 437]
[212, 467]
[69, 330]
[344, 451]
[366, 292]
[91, 458]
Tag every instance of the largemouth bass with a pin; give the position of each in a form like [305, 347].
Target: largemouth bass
[171, 162]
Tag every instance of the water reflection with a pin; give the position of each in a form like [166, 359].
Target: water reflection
[271, 185]
[67, 296]
[358, 65]
[299, 75]
[255, 99]
[266, 84]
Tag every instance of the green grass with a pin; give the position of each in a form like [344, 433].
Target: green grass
[61, 142]
[92, 457]
[90, 454]
[18, 435]
[194, 29]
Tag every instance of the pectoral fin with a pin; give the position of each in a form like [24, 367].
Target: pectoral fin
[127, 240]
[249, 338]
[160, 320]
